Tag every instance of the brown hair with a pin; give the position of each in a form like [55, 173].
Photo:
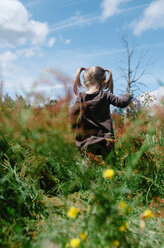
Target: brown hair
[94, 75]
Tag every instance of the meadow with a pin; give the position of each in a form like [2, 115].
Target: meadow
[52, 196]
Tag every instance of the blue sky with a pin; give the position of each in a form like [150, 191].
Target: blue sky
[68, 34]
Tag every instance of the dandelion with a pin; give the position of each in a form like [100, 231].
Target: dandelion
[123, 204]
[147, 214]
[116, 243]
[117, 153]
[88, 208]
[83, 236]
[72, 213]
[109, 173]
[126, 224]
[75, 243]
[124, 227]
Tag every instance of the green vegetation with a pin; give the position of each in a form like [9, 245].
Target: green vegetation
[53, 196]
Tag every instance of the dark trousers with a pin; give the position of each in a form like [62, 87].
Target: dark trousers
[102, 148]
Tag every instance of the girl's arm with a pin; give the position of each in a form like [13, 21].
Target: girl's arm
[120, 102]
[74, 113]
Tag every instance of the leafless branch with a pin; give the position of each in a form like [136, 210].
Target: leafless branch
[132, 74]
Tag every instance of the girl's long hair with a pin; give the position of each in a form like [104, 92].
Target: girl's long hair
[94, 74]
[77, 82]
[108, 84]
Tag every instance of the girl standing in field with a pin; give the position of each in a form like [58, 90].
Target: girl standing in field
[90, 116]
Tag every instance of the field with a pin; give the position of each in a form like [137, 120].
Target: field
[52, 196]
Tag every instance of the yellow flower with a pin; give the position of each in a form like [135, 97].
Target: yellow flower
[122, 228]
[117, 153]
[83, 236]
[75, 243]
[148, 214]
[73, 212]
[116, 243]
[88, 208]
[126, 224]
[123, 204]
[142, 224]
[109, 173]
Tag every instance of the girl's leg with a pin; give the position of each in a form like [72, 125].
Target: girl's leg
[99, 148]
[103, 148]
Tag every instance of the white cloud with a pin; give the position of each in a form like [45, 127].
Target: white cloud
[110, 8]
[6, 60]
[28, 52]
[67, 42]
[51, 42]
[62, 40]
[154, 97]
[101, 53]
[158, 95]
[74, 21]
[152, 18]
[32, 3]
[16, 28]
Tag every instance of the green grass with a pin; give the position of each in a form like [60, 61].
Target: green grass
[42, 175]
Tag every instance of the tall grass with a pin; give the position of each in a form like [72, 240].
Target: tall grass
[42, 175]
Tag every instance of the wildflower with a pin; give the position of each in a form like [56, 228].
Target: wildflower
[72, 213]
[142, 224]
[117, 153]
[126, 224]
[123, 204]
[88, 208]
[109, 173]
[147, 214]
[75, 243]
[123, 227]
[83, 236]
[116, 243]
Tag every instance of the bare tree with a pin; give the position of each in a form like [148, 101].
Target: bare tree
[133, 73]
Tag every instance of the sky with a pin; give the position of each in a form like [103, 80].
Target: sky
[36, 35]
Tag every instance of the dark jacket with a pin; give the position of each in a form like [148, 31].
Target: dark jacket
[91, 118]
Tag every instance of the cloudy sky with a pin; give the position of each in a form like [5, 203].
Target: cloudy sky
[68, 34]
